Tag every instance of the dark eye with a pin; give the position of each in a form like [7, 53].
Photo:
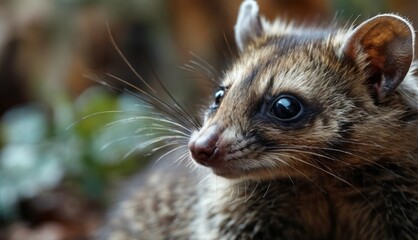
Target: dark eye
[218, 98]
[287, 108]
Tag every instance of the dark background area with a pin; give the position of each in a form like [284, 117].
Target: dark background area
[67, 142]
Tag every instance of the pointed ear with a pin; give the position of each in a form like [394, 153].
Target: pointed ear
[248, 26]
[385, 44]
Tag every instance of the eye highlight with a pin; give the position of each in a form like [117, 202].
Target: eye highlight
[287, 108]
[218, 98]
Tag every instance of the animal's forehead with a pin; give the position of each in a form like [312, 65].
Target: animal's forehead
[269, 70]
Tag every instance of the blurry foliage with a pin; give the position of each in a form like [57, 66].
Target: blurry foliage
[40, 148]
[61, 136]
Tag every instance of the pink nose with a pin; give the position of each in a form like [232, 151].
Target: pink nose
[204, 147]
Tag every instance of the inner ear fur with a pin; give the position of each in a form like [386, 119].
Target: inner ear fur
[386, 44]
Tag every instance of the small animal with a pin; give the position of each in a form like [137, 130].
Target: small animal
[312, 133]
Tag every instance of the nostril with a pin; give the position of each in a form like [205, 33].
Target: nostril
[205, 145]
[203, 154]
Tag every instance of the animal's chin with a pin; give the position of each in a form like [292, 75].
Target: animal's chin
[227, 171]
[230, 174]
[237, 172]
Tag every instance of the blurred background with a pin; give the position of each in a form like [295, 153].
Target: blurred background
[65, 144]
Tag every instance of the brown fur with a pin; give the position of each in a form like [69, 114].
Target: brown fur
[348, 171]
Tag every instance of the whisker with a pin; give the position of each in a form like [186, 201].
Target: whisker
[211, 74]
[150, 142]
[139, 136]
[227, 44]
[192, 69]
[268, 187]
[165, 129]
[338, 178]
[213, 70]
[161, 129]
[297, 149]
[176, 103]
[164, 120]
[165, 110]
[203, 179]
[217, 49]
[314, 154]
[119, 140]
[181, 158]
[97, 114]
[168, 153]
[252, 193]
[185, 118]
[300, 172]
[112, 40]
[170, 144]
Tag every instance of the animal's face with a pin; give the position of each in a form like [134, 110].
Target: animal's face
[291, 105]
[275, 111]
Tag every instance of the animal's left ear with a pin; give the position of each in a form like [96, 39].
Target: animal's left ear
[248, 26]
[386, 44]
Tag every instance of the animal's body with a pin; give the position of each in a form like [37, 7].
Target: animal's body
[313, 134]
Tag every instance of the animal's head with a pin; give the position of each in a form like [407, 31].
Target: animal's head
[304, 101]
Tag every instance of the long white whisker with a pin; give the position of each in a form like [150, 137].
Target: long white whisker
[180, 159]
[151, 142]
[173, 111]
[164, 120]
[169, 144]
[203, 179]
[165, 129]
[167, 153]
[100, 113]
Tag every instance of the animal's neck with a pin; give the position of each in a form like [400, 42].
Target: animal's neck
[357, 179]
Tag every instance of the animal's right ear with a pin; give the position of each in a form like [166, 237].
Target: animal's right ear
[385, 44]
[248, 26]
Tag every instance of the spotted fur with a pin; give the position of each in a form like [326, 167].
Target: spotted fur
[347, 170]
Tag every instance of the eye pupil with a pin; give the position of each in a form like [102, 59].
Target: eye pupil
[287, 108]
